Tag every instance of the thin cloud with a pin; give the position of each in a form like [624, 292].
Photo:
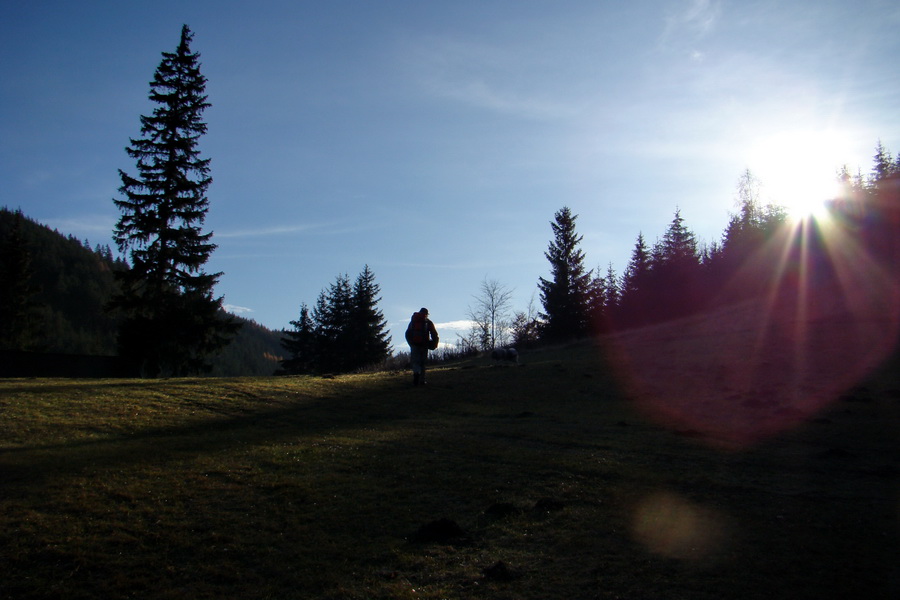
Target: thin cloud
[236, 310]
[311, 228]
[86, 225]
[462, 266]
[460, 325]
[266, 231]
[692, 22]
[486, 77]
[482, 94]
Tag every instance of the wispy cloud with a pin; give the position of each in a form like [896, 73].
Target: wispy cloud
[493, 96]
[236, 310]
[490, 77]
[690, 22]
[308, 228]
[457, 266]
[84, 226]
[456, 326]
[267, 231]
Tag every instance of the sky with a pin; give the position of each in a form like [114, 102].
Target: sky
[435, 141]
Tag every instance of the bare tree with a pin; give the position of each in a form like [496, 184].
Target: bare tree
[526, 325]
[490, 313]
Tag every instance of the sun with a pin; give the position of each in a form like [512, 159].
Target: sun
[803, 206]
[798, 170]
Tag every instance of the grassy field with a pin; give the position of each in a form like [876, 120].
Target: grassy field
[496, 482]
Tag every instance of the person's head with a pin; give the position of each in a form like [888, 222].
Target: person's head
[423, 311]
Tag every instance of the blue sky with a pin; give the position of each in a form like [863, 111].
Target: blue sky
[434, 141]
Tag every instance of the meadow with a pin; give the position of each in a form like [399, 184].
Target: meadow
[543, 480]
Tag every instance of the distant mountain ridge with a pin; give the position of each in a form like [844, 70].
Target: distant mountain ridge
[73, 284]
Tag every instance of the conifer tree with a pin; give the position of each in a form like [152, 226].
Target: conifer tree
[565, 296]
[613, 287]
[679, 243]
[367, 325]
[331, 315]
[883, 166]
[301, 344]
[676, 271]
[882, 194]
[635, 282]
[598, 316]
[172, 322]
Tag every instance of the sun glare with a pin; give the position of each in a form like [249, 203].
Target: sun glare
[798, 171]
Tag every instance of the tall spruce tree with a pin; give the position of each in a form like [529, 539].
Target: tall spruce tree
[565, 296]
[172, 322]
[370, 342]
[331, 315]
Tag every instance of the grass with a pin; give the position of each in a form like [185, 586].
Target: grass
[306, 487]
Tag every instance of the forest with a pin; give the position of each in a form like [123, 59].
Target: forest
[67, 286]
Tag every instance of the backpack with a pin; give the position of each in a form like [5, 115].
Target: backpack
[417, 331]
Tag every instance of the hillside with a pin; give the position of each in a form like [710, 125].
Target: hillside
[554, 479]
[74, 283]
[774, 364]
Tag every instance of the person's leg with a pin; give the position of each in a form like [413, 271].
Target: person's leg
[422, 369]
[417, 364]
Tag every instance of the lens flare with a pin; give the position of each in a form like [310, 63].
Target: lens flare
[820, 313]
[669, 525]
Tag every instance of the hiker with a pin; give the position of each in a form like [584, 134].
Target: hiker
[421, 337]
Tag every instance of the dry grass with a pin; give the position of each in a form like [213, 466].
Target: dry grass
[560, 482]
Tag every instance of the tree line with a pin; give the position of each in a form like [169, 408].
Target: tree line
[678, 275]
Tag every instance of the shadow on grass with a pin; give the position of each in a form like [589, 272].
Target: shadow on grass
[624, 505]
[341, 407]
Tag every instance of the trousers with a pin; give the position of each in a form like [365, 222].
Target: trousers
[417, 357]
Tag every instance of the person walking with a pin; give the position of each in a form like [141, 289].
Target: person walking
[421, 337]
